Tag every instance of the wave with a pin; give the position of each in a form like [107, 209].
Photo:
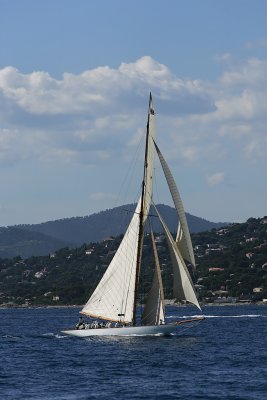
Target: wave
[54, 335]
[236, 316]
[220, 316]
[11, 337]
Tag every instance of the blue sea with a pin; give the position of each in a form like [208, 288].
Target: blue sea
[223, 357]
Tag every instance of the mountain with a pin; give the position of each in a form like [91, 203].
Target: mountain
[231, 262]
[41, 239]
[15, 241]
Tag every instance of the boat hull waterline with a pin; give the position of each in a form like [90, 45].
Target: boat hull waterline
[152, 330]
[156, 330]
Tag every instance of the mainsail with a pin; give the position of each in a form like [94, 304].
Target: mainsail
[115, 297]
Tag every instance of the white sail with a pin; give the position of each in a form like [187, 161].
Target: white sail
[183, 236]
[153, 313]
[113, 298]
[150, 156]
[183, 285]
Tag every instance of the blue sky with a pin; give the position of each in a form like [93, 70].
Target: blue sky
[75, 77]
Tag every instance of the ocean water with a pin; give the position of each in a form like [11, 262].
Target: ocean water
[223, 357]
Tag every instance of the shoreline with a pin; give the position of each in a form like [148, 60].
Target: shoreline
[259, 303]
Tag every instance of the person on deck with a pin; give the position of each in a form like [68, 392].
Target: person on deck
[80, 324]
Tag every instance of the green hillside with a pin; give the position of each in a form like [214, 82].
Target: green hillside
[40, 239]
[15, 241]
[231, 262]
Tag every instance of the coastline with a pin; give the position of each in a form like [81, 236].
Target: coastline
[259, 303]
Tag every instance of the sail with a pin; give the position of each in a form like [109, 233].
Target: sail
[149, 159]
[113, 298]
[183, 285]
[153, 313]
[183, 236]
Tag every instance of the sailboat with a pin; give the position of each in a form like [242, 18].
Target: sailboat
[114, 301]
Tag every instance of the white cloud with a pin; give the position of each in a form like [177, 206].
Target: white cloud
[239, 119]
[260, 43]
[215, 179]
[251, 74]
[99, 116]
[190, 153]
[95, 115]
[246, 106]
[92, 91]
[255, 149]
[81, 113]
[102, 196]
[225, 57]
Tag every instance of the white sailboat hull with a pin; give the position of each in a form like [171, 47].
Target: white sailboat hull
[155, 330]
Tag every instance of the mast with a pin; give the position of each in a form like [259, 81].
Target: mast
[141, 215]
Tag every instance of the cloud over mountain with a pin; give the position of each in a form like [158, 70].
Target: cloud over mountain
[97, 117]
[74, 116]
